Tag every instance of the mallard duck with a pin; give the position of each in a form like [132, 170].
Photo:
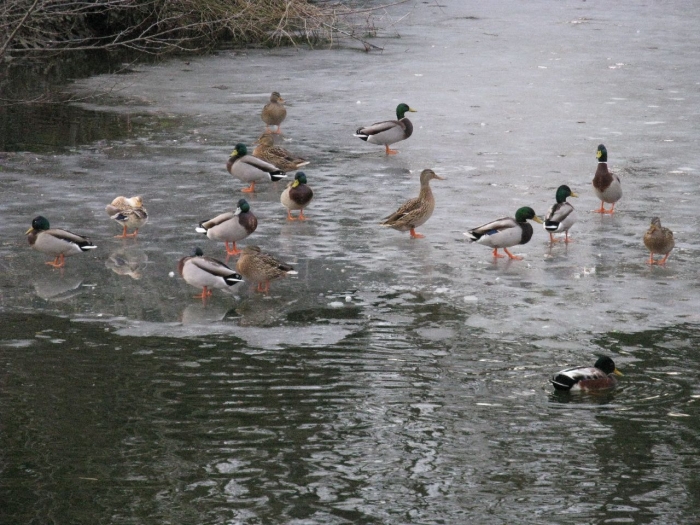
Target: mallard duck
[129, 212]
[231, 226]
[658, 239]
[605, 184]
[206, 272]
[274, 112]
[251, 169]
[388, 132]
[55, 242]
[561, 216]
[261, 268]
[505, 232]
[415, 212]
[600, 376]
[297, 196]
[276, 155]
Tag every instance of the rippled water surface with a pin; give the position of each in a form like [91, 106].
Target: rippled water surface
[393, 380]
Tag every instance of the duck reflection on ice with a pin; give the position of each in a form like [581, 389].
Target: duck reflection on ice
[57, 288]
[204, 313]
[128, 261]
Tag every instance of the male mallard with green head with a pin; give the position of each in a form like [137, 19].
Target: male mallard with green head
[505, 232]
[274, 112]
[206, 272]
[277, 155]
[56, 242]
[297, 196]
[658, 239]
[250, 169]
[230, 227]
[606, 185]
[259, 267]
[561, 216]
[129, 212]
[388, 132]
[600, 376]
[415, 212]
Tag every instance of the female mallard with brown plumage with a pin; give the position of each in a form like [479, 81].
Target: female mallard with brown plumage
[600, 376]
[506, 232]
[561, 216]
[251, 169]
[129, 212]
[277, 155]
[206, 272]
[658, 239]
[274, 112]
[388, 132]
[415, 212]
[297, 196]
[56, 242]
[259, 267]
[230, 227]
[606, 185]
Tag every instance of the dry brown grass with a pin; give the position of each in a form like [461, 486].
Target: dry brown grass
[40, 27]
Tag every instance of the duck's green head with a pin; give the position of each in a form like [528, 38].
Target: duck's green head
[39, 223]
[242, 207]
[240, 150]
[602, 153]
[563, 192]
[299, 178]
[526, 213]
[607, 365]
[401, 110]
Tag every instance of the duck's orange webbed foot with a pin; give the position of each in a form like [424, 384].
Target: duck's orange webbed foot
[58, 262]
[232, 251]
[416, 235]
[205, 293]
[390, 151]
[516, 257]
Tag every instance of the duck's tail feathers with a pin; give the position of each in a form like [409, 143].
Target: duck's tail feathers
[233, 279]
[87, 246]
[274, 177]
[472, 236]
[551, 226]
[201, 229]
[361, 135]
[562, 382]
[292, 272]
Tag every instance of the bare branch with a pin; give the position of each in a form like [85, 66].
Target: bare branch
[17, 28]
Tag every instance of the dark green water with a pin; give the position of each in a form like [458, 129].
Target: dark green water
[104, 428]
